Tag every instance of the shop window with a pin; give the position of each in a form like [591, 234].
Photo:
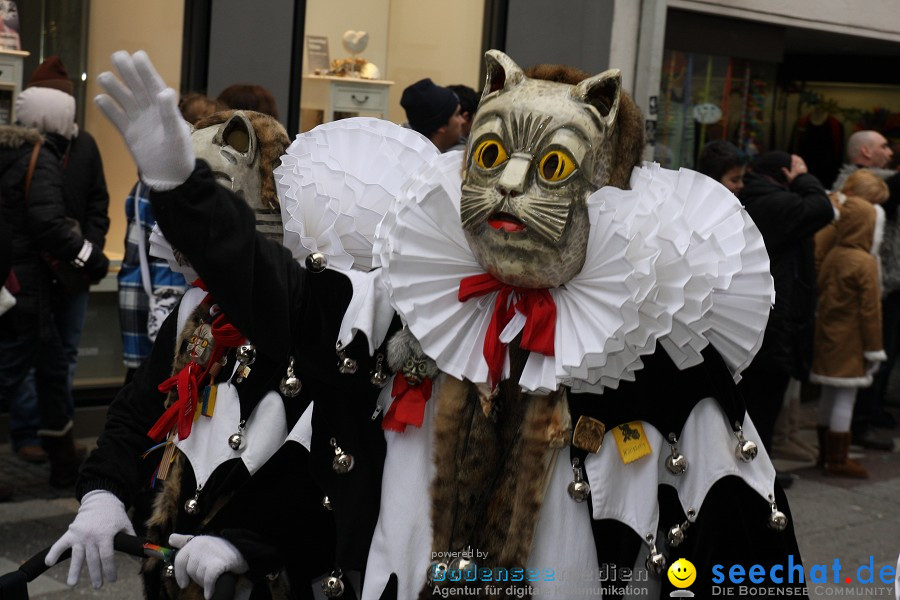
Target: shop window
[704, 98]
[49, 27]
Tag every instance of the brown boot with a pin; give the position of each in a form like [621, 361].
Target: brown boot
[821, 430]
[65, 459]
[837, 447]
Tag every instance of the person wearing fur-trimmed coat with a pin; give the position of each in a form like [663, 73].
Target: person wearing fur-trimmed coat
[848, 342]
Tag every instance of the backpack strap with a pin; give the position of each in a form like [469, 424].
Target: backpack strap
[31, 166]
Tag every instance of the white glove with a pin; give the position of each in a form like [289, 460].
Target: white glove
[872, 367]
[146, 113]
[90, 536]
[203, 558]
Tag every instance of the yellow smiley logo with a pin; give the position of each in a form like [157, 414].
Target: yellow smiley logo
[682, 573]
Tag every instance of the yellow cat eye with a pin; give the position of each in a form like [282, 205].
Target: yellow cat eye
[489, 154]
[556, 166]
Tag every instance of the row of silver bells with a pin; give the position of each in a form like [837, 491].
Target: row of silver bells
[676, 464]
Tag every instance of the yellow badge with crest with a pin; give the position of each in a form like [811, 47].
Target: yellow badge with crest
[631, 441]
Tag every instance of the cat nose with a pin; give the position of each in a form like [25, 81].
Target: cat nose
[512, 180]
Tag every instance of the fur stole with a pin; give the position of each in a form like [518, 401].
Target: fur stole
[492, 454]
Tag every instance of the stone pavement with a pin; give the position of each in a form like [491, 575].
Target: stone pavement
[835, 519]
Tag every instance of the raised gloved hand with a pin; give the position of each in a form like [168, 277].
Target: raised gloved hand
[145, 112]
[90, 536]
[203, 558]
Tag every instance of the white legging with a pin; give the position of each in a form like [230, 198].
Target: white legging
[836, 407]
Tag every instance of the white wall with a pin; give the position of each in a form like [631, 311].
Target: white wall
[868, 18]
[408, 39]
[432, 39]
[127, 25]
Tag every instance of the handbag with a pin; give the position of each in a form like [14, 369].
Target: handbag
[65, 274]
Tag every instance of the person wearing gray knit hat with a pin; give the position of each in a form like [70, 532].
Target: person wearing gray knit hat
[434, 112]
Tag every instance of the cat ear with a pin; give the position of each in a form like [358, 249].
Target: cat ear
[238, 134]
[502, 73]
[602, 92]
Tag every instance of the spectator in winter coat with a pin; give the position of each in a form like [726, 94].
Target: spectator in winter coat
[35, 212]
[48, 105]
[848, 342]
[788, 205]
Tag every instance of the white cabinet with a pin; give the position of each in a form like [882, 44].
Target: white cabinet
[10, 83]
[345, 95]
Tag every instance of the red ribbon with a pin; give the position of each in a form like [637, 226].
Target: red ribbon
[536, 304]
[181, 412]
[188, 381]
[408, 407]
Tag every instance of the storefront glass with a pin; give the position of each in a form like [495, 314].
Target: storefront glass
[704, 98]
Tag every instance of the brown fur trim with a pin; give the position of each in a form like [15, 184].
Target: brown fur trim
[272, 141]
[629, 122]
[13, 136]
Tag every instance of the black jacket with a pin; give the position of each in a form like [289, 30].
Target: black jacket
[787, 219]
[87, 200]
[38, 225]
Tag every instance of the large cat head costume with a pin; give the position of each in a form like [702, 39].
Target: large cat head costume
[242, 148]
[538, 148]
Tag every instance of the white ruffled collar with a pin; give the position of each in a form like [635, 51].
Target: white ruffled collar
[674, 260]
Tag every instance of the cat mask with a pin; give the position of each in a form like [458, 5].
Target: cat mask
[537, 150]
[243, 148]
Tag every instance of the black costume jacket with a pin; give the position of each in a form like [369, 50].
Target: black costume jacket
[276, 517]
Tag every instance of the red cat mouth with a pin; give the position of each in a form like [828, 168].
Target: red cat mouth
[502, 221]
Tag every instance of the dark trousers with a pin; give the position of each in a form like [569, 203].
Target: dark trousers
[25, 344]
[763, 392]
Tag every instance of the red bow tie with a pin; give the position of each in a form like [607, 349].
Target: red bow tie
[536, 304]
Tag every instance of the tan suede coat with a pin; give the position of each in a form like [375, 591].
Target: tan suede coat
[848, 319]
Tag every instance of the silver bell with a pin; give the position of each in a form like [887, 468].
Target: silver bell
[676, 463]
[316, 262]
[332, 586]
[746, 450]
[246, 353]
[437, 572]
[290, 385]
[236, 440]
[777, 520]
[656, 562]
[192, 506]
[347, 365]
[169, 571]
[342, 463]
[326, 502]
[578, 488]
[675, 536]
[379, 378]
[462, 565]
